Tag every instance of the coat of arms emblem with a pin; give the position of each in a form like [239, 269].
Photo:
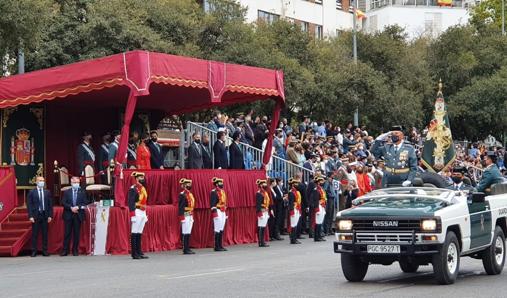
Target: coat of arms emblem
[22, 148]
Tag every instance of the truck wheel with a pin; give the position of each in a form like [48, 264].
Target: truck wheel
[353, 268]
[408, 267]
[446, 262]
[493, 257]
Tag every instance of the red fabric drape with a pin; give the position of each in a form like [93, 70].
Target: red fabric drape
[163, 230]
[9, 197]
[274, 123]
[163, 186]
[56, 232]
[121, 154]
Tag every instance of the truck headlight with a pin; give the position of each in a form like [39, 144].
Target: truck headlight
[429, 225]
[345, 225]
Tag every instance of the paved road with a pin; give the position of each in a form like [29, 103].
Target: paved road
[282, 270]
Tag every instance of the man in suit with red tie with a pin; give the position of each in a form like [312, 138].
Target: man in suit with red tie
[40, 212]
[74, 204]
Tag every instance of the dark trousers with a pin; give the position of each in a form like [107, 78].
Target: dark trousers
[280, 212]
[272, 227]
[72, 228]
[41, 223]
[303, 221]
[328, 219]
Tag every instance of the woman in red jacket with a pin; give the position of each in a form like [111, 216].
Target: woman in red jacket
[143, 154]
[363, 181]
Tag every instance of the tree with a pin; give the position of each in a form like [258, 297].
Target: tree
[21, 25]
[487, 14]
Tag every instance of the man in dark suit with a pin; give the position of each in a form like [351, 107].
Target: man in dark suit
[74, 202]
[279, 208]
[157, 156]
[85, 154]
[235, 153]
[220, 152]
[40, 212]
[195, 153]
[206, 153]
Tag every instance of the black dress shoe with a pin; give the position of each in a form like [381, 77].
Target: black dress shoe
[279, 238]
[45, 254]
[63, 254]
[34, 254]
[75, 254]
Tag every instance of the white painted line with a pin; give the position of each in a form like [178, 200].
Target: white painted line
[204, 274]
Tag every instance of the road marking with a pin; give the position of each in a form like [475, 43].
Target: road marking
[202, 274]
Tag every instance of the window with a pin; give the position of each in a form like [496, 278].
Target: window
[305, 26]
[319, 32]
[267, 17]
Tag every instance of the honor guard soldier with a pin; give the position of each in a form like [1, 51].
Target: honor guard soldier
[319, 200]
[294, 209]
[137, 199]
[186, 204]
[85, 154]
[218, 200]
[262, 206]
[400, 158]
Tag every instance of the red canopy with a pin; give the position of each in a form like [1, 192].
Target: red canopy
[164, 82]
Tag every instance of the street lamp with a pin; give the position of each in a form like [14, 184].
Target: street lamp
[354, 54]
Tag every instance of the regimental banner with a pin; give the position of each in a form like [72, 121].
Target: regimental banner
[438, 151]
[23, 142]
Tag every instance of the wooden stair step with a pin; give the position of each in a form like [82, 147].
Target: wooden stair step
[7, 241]
[12, 233]
[21, 210]
[8, 226]
[18, 217]
[5, 250]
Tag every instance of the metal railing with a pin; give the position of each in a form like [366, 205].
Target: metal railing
[277, 167]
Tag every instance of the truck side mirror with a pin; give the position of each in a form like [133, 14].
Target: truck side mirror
[478, 197]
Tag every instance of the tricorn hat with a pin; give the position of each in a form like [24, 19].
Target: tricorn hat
[216, 180]
[137, 174]
[261, 181]
[185, 181]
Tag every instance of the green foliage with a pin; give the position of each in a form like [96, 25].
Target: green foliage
[487, 14]
[394, 81]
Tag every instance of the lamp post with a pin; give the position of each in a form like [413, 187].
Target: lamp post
[354, 55]
[503, 17]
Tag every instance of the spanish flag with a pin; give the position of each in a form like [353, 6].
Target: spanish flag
[360, 15]
[444, 2]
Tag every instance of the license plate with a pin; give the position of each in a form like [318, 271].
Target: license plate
[383, 249]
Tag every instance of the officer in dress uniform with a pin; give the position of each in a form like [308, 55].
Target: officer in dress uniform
[137, 199]
[458, 173]
[218, 202]
[113, 147]
[318, 203]
[186, 204]
[262, 207]
[103, 156]
[85, 154]
[294, 209]
[400, 158]
[491, 174]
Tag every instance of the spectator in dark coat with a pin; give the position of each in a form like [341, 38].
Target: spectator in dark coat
[220, 152]
[195, 153]
[235, 153]
[206, 153]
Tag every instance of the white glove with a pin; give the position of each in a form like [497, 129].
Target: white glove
[406, 183]
[133, 219]
[383, 136]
